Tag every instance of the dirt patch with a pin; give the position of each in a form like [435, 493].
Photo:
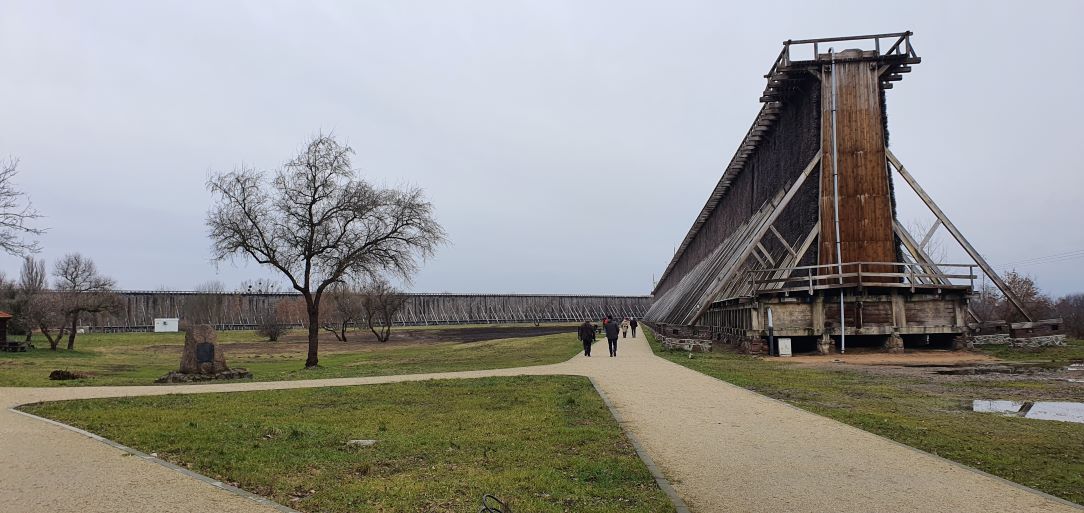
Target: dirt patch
[922, 358]
[944, 372]
[361, 341]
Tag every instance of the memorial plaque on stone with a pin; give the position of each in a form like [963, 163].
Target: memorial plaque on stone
[202, 358]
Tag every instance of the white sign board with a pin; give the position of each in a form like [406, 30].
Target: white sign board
[167, 325]
[784, 346]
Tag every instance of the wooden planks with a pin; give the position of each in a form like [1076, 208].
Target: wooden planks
[865, 203]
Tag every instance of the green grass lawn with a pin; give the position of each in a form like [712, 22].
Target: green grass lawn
[140, 358]
[934, 417]
[1073, 350]
[543, 444]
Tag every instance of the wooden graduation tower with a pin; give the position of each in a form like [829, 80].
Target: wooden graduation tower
[800, 238]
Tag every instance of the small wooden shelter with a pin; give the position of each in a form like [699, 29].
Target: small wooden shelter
[9, 345]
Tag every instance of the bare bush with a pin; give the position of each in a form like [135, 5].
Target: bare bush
[343, 308]
[317, 223]
[272, 319]
[381, 302]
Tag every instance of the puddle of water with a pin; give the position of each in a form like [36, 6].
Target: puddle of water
[1040, 410]
[1010, 407]
[1063, 411]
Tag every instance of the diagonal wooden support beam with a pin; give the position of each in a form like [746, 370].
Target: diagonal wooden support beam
[929, 234]
[767, 256]
[923, 260]
[796, 256]
[920, 256]
[782, 241]
[752, 241]
[974, 254]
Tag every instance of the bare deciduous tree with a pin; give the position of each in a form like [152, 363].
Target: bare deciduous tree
[47, 313]
[1035, 301]
[1071, 310]
[32, 281]
[16, 214]
[343, 307]
[990, 304]
[381, 302]
[81, 290]
[317, 223]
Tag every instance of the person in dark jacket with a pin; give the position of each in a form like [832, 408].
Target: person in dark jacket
[612, 329]
[633, 324]
[587, 336]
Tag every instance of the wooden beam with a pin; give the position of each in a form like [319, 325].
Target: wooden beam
[929, 234]
[916, 251]
[971, 251]
[767, 255]
[779, 236]
[796, 256]
[919, 254]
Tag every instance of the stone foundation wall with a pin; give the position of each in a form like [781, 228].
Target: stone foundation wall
[1004, 339]
[685, 344]
[998, 339]
[1049, 340]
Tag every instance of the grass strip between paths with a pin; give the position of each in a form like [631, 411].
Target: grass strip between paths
[545, 444]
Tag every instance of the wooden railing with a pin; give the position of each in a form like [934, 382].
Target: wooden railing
[913, 276]
[901, 47]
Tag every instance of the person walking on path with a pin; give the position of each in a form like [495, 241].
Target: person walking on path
[625, 328]
[611, 335]
[633, 324]
[587, 336]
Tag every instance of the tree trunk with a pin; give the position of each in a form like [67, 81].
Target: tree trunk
[71, 336]
[342, 336]
[314, 333]
[53, 341]
[387, 332]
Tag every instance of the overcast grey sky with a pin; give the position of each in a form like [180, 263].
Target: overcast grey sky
[567, 145]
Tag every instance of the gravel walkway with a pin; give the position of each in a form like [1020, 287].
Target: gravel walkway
[722, 447]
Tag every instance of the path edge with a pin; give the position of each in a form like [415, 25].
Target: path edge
[660, 479]
[264, 501]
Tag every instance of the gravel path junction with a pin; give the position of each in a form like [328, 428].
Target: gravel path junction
[722, 447]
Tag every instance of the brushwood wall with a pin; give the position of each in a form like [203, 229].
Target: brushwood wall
[138, 309]
[780, 157]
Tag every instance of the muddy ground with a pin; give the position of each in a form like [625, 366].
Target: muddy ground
[943, 370]
[297, 340]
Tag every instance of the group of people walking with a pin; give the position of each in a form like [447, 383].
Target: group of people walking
[611, 327]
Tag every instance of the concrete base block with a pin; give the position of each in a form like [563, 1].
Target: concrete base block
[894, 344]
[824, 345]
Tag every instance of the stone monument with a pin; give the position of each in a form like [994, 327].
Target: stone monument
[202, 358]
